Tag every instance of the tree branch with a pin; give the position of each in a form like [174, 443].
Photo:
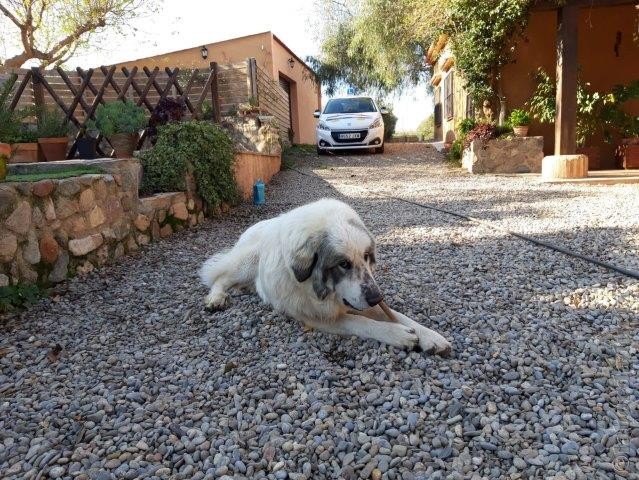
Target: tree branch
[10, 16]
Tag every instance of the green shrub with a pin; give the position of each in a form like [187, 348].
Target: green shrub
[119, 117]
[465, 126]
[10, 126]
[18, 296]
[52, 123]
[454, 155]
[390, 121]
[519, 118]
[201, 148]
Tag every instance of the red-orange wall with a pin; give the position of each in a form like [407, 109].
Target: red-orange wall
[598, 61]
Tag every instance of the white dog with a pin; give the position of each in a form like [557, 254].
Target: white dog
[315, 263]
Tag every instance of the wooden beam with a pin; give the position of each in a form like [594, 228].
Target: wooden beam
[552, 4]
[566, 115]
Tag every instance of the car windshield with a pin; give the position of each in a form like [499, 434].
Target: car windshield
[350, 105]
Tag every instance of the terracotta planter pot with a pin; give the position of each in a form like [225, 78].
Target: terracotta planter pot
[594, 156]
[53, 149]
[521, 131]
[25, 153]
[123, 144]
[5, 149]
[628, 153]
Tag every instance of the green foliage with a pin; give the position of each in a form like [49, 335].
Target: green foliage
[454, 155]
[390, 122]
[52, 123]
[482, 35]
[380, 44]
[10, 126]
[426, 129]
[13, 297]
[542, 105]
[207, 111]
[465, 126]
[200, 148]
[613, 118]
[373, 45]
[119, 117]
[519, 118]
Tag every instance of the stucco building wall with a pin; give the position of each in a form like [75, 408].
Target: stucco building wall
[608, 54]
[272, 56]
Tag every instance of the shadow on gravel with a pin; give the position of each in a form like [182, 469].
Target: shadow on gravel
[543, 375]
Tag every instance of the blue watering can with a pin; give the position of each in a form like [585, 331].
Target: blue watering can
[259, 193]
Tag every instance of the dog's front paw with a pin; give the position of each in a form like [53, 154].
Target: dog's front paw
[402, 336]
[433, 343]
[216, 300]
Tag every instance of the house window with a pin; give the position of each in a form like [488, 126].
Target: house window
[449, 93]
[470, 107]
[437, 114]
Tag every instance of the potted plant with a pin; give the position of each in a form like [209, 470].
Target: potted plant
[120, 122]
[519, 120]
[53, 131]
[618, 123]
[542, 106]
[24, 147]
[251, 107]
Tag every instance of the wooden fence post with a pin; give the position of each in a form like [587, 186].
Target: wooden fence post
[251, 74]
[38, 92]
[215, 94]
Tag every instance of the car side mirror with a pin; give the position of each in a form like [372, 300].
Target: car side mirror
[384, 111]
[316, 113]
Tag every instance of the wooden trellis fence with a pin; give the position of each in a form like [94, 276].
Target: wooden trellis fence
[79, 93]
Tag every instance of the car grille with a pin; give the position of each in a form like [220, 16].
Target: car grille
[362, 136]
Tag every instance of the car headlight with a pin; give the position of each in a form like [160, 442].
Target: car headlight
[376, 123]
[323, 126]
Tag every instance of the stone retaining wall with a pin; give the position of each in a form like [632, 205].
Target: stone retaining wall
[55, 228]
[508, 155]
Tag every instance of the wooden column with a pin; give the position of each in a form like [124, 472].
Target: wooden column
[215, 93]
[566, 115]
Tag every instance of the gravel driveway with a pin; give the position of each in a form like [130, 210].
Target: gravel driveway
[542, 382]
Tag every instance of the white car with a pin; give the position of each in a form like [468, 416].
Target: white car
[350, 123]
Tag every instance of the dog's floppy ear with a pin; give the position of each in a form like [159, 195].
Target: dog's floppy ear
[310, 259]
[304, 257]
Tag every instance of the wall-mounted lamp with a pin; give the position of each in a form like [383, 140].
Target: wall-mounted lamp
[291, 62]
[204, 51]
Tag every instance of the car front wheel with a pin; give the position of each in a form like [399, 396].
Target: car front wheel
[321, 151]
[379, 149]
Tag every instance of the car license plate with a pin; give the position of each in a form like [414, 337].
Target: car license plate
[349, 136]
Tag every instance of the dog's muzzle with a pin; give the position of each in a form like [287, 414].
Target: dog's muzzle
[372, 294]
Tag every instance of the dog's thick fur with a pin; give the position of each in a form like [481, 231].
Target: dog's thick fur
[315, 263]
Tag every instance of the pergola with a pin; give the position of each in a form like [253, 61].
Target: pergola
[567, 66]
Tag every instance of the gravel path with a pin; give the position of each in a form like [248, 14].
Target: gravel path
[542, 383]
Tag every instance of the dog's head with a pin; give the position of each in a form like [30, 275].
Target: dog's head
[339, 260]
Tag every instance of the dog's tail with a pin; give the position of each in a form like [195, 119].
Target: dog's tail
[210, 269]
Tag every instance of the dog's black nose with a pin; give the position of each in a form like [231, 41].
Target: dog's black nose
[372, 295]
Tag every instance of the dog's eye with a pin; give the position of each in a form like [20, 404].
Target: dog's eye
[345, 264]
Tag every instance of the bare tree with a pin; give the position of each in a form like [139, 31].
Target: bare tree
[50, 31]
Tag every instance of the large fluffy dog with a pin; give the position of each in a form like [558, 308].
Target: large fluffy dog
[315, 264]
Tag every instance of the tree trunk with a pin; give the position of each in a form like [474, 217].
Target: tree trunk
[17, 61]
